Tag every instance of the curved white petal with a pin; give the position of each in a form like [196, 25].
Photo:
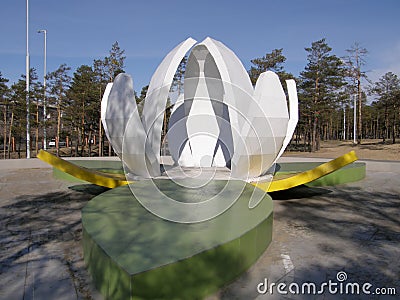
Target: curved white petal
[103, 108]
[177, 135]
[207, 140]
[294, 114]
[238, 96]
[271, 96]
[236, 81]
[272, 99]
[126, 132]
[201, 121]
[117, 109]
[156, 97]
[221, 119]
[229, 65]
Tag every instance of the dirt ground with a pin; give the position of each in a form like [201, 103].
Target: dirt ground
[369, 149]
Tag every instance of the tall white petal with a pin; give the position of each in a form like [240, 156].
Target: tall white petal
[238, 96]
[294, 114]
[156, 98]
[103, 108]
[117, 109]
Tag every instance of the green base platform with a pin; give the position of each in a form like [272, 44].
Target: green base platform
[350, 173]
[132, 254]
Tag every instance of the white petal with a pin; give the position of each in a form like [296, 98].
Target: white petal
[103, 108]
[294, 114]
[157, 94]
[117, 109]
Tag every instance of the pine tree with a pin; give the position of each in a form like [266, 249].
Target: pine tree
[99, 69]
[140, 99]
[106, 70]
[83, 111]
[269, 62]
[115, 62]
[177, 83]
[17, 106]
[387, 88]
[322, 77]
[58, 85]
[17, 111]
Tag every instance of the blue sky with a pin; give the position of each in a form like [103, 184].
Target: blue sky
[80, 31]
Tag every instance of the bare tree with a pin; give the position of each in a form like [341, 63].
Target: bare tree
[354, 62]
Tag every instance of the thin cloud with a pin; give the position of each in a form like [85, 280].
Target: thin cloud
[389, 61]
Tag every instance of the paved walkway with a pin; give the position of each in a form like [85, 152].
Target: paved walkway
[40, 233]
[353, 228]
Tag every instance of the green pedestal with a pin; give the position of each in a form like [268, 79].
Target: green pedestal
[132, 253]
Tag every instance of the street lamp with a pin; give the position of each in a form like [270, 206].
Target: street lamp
[355, 120]
[344, 122]
[28, 137]
[44, 89]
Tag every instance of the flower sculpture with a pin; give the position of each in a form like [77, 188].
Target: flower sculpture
[219, 120]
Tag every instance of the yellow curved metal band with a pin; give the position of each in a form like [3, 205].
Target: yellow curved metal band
[114, 180]
[96, 177]
[308, 176]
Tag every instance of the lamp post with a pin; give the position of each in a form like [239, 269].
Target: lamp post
[344, 122]
[28, 137]
[44, 88]
[355, 120]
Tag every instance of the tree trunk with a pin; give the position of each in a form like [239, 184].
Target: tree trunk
[71, 141]
[77, 143]
[314, 135]
[100, 138]
[385, 125]
[37, 128]
[90, 142]
[10, 132]
[5, 131]
[315, 117]
[58, 130]
[82, 141]
[359, 125]
[308, 133]
[394, 125]
[19, 147]
[83, 127]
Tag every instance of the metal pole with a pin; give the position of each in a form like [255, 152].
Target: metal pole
[344, 122]
[44, 89]
[355, 121]
[28, 137]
